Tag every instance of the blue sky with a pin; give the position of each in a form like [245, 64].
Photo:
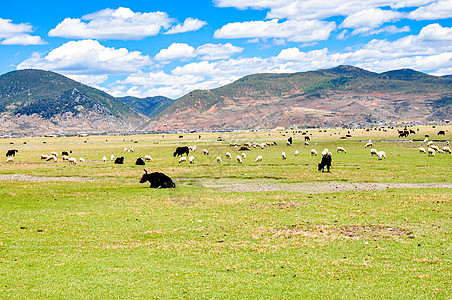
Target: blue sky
[169, 48]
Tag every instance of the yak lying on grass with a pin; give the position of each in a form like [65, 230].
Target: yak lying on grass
[158, 180]
[119, 160]
[326, 162]
[140, 162]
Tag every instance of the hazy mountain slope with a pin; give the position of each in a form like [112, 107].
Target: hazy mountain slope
[328, 97]
[150, 106]
[44, 100]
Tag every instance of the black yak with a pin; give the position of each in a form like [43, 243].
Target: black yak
[64, 153]
[140, 162]
[289, 141]
[181, 151]
[441, 132]
[119, 160]
[158, 180]
[326, 162]
[11, 152]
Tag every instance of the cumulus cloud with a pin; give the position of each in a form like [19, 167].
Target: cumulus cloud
[181, 51]
[441, 9]
[370, 18]
[217, 51]
[87, 57]
[17, 34]
[117, 24]
[189, 24]
[176, 51]
[295, 31]
[317, 10]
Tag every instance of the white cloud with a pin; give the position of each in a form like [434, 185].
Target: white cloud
[295, 31]
[91, 80]
[118, 24]
[441, 9]
[176, 51]
[217, 51]
[317, 10]
[189, 24]
[370, 18]
[181, 51]
[87, 57]
[17, 34]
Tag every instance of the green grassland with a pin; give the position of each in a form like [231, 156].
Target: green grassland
[101, 234]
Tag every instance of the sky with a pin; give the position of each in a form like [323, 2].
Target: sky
[170, 48]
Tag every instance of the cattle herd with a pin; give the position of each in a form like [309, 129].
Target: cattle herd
[160, 180]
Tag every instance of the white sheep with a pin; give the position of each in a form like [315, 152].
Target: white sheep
[297, 152]
[369, 144]
[54, 154]
[447, 143]
[341, 149]
[373, 151]
[191, 159]
[306, 143]
[259, 158]
[72, 161]
[192, 148]
[431, 151]
[112, 157]
[440, 151]
[244, 155]
[81, 159]
[288, 143]
[381, 154]
[104, 159]
[148, 158]
[436, 148]
[132, 150]
[182, 159]
[125, 149]
[313, 152]
[430, 143]
[325, 151]
[239, 159]
[219, 160]
[9, 159]
[425, 140]
[283, 155]
[64, 157]
[44, 156]
[52, 157]
[228, 155]
[447, 149]
[205, 151]
[422, 150]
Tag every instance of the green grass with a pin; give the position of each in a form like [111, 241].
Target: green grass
[116, 238]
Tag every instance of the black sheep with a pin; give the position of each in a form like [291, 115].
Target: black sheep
[140, 162]
[181, 151]
[326, 162]
[158, 180]
[119, 160]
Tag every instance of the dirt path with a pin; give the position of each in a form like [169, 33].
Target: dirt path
[256, 185]
[42, 178]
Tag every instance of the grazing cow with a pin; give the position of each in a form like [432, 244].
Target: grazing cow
[326, 162]
[181, 151]
[11, 152]
[119, 160]
[140, 162]
[157, 180]
[441, 132]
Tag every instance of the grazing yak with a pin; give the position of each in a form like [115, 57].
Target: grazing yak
[181, 151]
[11, 152]
[119, 160]
[441, 132]
[140, 162]
[64, 153]
[158, 180]
[326, 162]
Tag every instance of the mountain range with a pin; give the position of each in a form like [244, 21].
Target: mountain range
[36, 102]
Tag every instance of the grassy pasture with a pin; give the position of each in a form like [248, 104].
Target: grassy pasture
[101, 234]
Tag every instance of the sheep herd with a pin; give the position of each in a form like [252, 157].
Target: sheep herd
[430, 148]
